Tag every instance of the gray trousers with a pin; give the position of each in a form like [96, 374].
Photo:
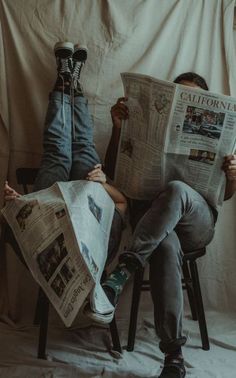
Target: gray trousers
[178, 221]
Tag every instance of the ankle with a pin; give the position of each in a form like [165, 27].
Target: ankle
[61, 86]
[115, 284]
[175, 356]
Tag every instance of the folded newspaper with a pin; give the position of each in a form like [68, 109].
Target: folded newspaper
[63, 233]
[174, 132]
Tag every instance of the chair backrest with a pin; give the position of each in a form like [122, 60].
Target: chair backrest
[26, 177]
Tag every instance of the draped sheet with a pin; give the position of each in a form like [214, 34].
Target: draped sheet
[162, 38]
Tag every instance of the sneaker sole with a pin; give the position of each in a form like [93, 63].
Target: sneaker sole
[80, 53]
[67, 48]
[99, 318]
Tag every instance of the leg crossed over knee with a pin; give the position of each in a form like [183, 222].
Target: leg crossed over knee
[177, 190]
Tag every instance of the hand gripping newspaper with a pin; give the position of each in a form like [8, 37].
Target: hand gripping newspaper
[174, 132]
[63, 234]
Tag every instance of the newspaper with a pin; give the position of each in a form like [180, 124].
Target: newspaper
[174, 132]
[63, 233]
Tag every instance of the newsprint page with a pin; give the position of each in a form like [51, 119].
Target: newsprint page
[63, 233]
[174, 132]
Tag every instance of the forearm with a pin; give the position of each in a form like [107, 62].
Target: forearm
[111, 153]
[230, 189]
[116, 196]
[97, 175]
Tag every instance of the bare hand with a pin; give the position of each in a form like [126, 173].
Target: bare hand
[97, 174]
[229, 167]
[119, 112]
[9, 193]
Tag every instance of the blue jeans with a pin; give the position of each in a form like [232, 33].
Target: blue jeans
[69, 151]
[178, 221]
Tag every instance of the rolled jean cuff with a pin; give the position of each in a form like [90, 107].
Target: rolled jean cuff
[132, 258]
[171, 346]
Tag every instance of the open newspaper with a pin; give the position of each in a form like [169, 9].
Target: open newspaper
[63, 233]
[174, 132]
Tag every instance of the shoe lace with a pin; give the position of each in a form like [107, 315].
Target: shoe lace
[75, 80]
[76, 73]
[64, 66]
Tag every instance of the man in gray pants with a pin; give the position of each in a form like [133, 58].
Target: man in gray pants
[178, 219]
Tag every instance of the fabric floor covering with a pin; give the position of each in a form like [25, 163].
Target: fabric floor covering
[87, 352]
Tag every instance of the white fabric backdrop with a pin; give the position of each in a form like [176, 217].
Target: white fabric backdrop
[162, 38]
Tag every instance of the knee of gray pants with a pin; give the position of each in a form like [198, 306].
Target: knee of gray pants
[177, 187]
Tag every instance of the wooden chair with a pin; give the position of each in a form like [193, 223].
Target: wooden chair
[190, 282]
[26, 178]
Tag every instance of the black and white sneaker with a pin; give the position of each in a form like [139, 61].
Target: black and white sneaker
[63, 53]
[79, 58]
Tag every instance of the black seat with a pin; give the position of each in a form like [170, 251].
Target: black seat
[26, 178]
[190, 282]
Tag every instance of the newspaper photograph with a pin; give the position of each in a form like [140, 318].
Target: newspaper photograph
[53, 228]
[174, 132]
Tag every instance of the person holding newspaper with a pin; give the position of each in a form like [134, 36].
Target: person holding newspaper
[69, 151]
[178, 219]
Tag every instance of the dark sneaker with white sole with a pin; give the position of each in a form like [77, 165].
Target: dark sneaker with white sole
[79, 58]
[63, 53]
[173, 370]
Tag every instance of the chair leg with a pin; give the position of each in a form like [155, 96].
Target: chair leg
[189, 287]
[115, 336]
[199, 306]
[39, 307]
[43, 326]
[137, 287]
